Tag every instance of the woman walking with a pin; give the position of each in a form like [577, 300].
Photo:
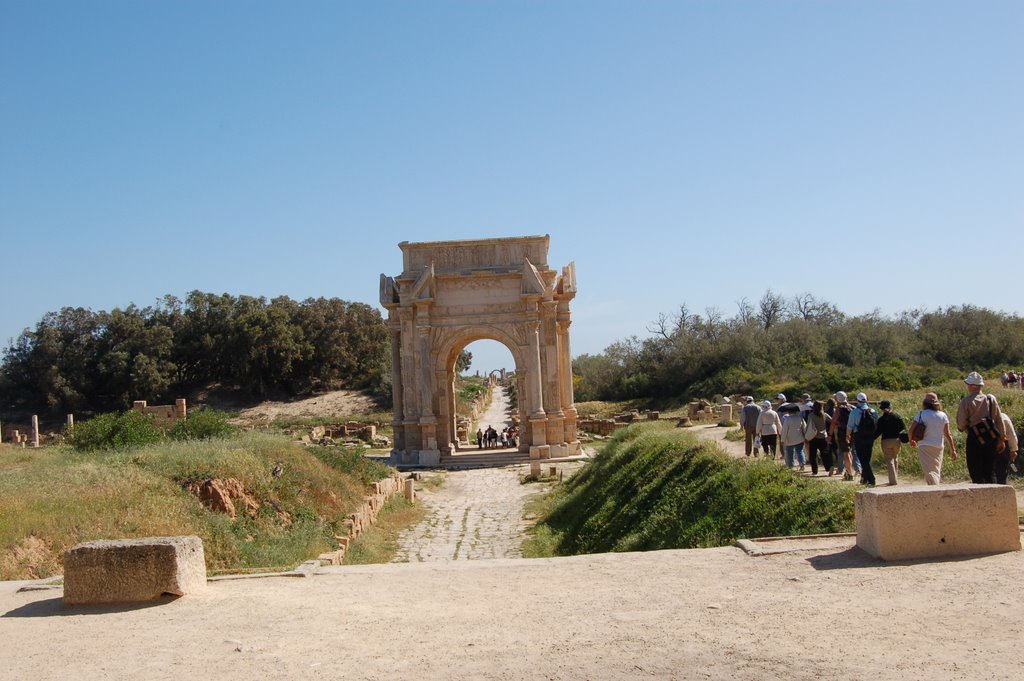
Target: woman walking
[768, 428]
[793, 429]
[818, 423]
[935, 425]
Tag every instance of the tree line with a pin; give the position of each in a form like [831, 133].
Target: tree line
[77, 360]
[803, 340]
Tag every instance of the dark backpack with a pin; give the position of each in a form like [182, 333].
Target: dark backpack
[868, 423]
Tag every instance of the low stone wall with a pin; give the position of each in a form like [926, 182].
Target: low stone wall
[907, 523]
[163, 414]
[362, 519]
[603, 427]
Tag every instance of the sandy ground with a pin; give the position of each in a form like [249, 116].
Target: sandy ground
[825, 612]
[339, 403]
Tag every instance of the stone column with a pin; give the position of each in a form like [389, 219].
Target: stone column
[71, 422]
[568, 399]
[554, 432]
[397, 398]
[538, 418]
[410, 406]
[429, 453]
[34, 439]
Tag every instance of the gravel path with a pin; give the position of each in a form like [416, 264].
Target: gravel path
[474, 514]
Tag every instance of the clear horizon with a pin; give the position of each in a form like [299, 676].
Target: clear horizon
[871, 154]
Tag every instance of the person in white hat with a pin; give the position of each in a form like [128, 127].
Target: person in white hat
[980, 417]
[768, 429]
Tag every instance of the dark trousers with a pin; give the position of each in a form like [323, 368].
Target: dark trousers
[1002, 465]
[864, 444]
[748, 439]
[981, 460]
[819, 445]
[769, 442]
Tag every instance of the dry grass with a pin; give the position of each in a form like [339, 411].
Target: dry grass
[379, 544]
[53, 498]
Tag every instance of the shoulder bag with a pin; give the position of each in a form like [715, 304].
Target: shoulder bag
[917, 427]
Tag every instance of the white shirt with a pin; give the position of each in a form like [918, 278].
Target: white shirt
[935, 423]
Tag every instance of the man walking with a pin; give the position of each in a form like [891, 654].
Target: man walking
[979, 416]
[748, 422]
[890, 427]
[860, 431]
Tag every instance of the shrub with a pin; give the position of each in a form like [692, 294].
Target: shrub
[202, 425]
[115, 431]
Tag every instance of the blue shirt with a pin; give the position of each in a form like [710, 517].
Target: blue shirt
[856, 414]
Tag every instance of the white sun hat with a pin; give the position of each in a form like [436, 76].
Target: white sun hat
[974, 378]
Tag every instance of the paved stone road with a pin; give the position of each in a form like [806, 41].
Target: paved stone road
[474, 514]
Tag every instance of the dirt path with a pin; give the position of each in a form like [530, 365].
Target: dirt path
[715, 614]
[497, 413]
[474, 514]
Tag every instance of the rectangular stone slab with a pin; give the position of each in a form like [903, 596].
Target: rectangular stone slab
[133, 570]
[907, 523]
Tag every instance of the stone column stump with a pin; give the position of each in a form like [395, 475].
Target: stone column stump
[133, 570]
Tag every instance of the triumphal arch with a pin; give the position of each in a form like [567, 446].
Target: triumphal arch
[451, 293]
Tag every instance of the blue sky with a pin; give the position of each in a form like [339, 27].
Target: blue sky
[871, 153]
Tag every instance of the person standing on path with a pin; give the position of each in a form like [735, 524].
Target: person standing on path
[748, 422]
[768, 428]
[929, 447]
[890, 428]
[860, 431]
[979, 416]
[816, 435]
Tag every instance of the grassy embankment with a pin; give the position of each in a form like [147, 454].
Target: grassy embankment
[657, 487]
[54, 497]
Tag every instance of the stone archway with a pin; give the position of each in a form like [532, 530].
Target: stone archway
[451, 293]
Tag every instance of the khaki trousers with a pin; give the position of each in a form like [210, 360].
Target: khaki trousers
[891, 452]
[931, 463]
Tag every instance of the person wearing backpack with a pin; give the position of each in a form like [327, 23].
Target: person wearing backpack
[838, 433]
[979, 416]
[860, 432]
[889, 432]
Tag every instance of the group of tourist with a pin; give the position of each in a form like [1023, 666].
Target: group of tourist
[1012, 379]
[491, 438]
[842, 435]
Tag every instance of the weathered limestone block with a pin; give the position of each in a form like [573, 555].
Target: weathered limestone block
[410, 490]
[726, 414]
[906, 523]
[133, 570]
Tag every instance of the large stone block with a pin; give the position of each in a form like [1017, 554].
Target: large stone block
[906, 523]
[133, 570]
